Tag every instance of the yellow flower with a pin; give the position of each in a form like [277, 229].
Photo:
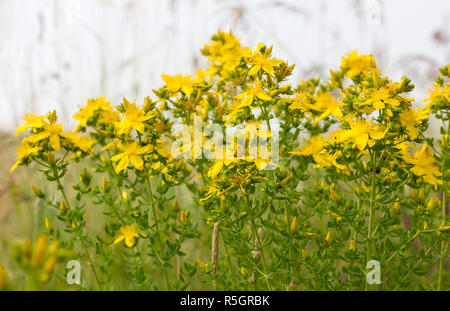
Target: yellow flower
[131, 152]
[379, 98]
[409, 120]
[129, 233]
[263, 62]
[31, 120]
[312, 147]
[178, 83]
[235, 108]
[134, 118]
[301, 101]
[94, 107]
[362, 133]
[438, 92]
[202, 265]
[424, 165]
[52, 131]
[255, 90]
[218, 166]
[325, 159]
[358, 64]
[327, 104]
[82, 142]
[24, 151]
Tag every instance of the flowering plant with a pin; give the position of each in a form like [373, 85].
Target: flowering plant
[356, 180]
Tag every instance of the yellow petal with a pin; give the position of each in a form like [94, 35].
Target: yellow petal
[14, 166]
[54, 142]
[187, 89]
[361, 141]
[140, 127]
[377, 134]
[130, 241]
[254, 70]
[215, 169]
[117, 157]
[248, 100]
[263, 95]
[123, 164]
[268, 69]
[137, 162]
[119, 239]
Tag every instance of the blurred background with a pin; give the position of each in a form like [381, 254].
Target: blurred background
[56, 54]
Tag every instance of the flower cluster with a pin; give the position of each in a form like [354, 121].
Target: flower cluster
[352, 155]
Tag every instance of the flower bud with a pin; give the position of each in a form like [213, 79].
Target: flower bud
[37, 192]
[85, 177]
[105, 187]
[48, 225]
[294, 225]
[352, 246]
[397, 206]
[430, 204]
[51, 158]
[334, 196]
[243, 271]
[421, 194]
[39, 251]
[401, 85]
[176, 206]
[183, 216]
[328, 238]
[63, 207]
[125, 195]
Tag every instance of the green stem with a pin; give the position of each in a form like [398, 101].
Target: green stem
[155, 219]
[230, 266]
[255, 233]
[79, 234]
[371, 211]
[444, 211]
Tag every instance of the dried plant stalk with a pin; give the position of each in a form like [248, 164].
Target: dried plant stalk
[215, 247]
